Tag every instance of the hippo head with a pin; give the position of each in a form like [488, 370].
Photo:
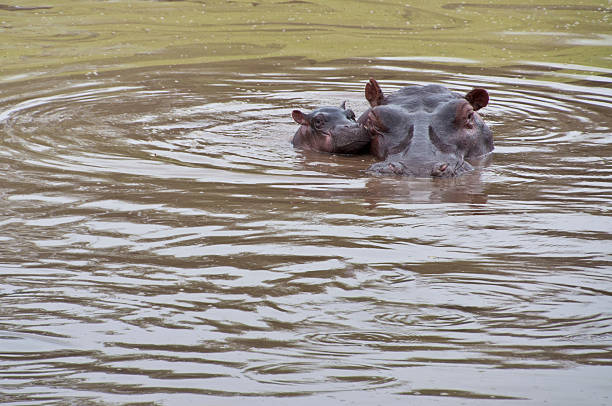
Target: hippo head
[330, 129]
[425, 130]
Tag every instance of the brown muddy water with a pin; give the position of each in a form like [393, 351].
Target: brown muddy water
[161, 242]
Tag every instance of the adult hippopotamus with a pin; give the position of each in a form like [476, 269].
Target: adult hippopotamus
[417, 131]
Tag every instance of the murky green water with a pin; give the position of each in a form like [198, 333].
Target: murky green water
[161, 242]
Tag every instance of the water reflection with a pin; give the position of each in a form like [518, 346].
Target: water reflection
[162, 240]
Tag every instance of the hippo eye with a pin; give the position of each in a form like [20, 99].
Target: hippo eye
[350, 114]
[469, 122]
[318, 122]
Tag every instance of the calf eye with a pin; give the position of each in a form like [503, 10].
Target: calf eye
[350, 114]
[318, 121]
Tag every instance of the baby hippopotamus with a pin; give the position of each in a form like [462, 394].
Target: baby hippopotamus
[330, 129]
[417, 131]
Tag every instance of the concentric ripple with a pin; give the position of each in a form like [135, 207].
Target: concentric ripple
[162, 242]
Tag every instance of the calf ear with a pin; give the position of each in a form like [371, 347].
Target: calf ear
[299, 117]
[373, 93]
[343, 105]
[478, 98]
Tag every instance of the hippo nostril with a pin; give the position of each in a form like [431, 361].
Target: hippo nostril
[439, 169]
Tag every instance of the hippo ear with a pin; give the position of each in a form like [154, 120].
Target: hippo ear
[299, 117]
[478, 98]
[373, 93]
[343, 105]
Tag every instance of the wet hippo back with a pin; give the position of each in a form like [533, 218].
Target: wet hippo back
[427, 98]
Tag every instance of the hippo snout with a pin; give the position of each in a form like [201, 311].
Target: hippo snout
[436, 169]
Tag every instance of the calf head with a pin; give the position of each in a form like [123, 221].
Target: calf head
[330, 129]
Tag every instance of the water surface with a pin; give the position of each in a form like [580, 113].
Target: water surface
[161, 242]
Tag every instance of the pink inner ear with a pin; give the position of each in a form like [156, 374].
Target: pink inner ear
[478, 98]
[299, 117]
